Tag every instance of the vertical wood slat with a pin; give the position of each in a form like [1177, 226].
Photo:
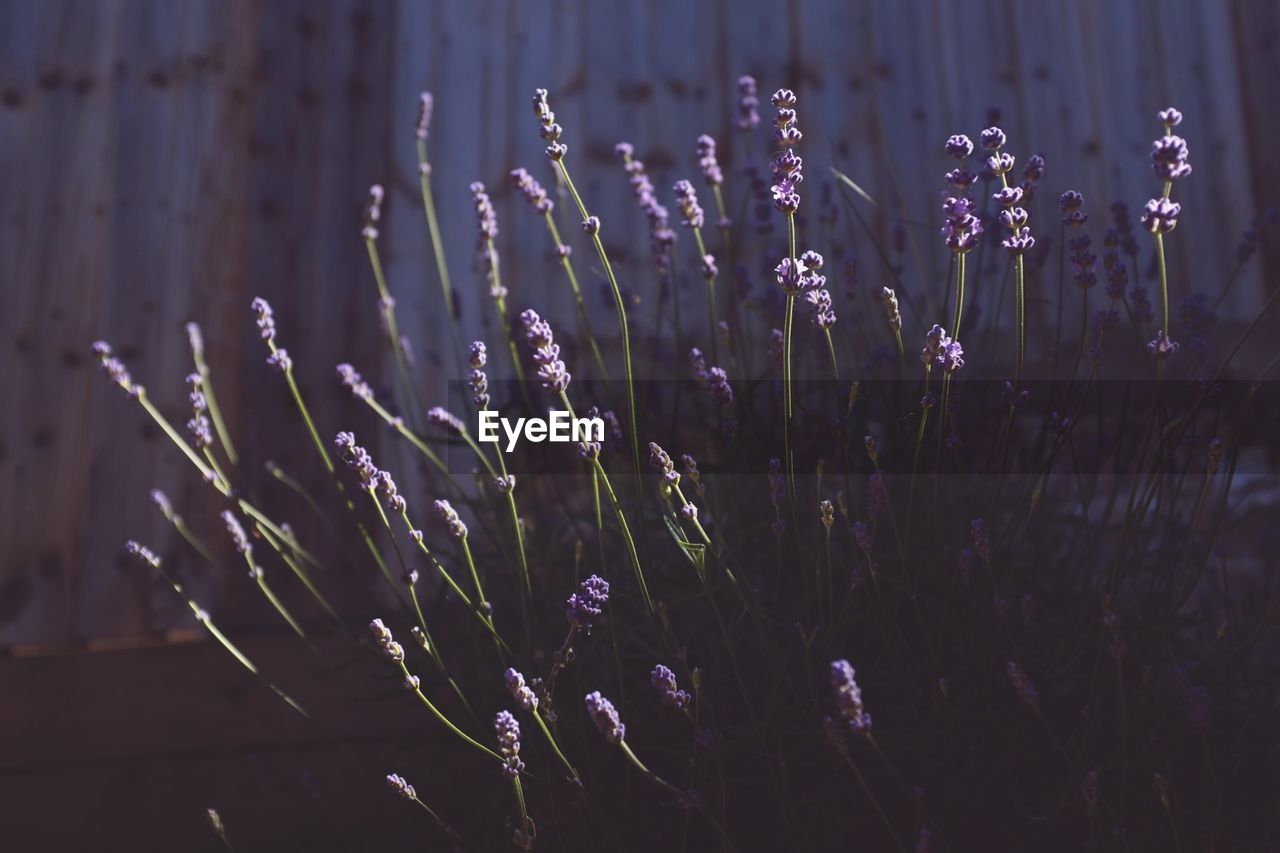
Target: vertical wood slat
[168, 161]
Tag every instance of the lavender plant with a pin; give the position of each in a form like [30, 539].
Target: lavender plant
[1058, 594]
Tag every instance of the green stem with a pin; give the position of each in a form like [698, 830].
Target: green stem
[583, 316]
[622, 323]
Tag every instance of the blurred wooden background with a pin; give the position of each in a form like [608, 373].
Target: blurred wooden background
[167, 161]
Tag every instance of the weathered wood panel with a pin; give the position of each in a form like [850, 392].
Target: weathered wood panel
[167, 161]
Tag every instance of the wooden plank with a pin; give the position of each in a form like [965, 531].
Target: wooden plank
[172, 160]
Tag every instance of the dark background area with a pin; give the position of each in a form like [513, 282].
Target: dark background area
[167, 161]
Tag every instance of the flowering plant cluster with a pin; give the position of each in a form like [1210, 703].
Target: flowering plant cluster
[1052, 595]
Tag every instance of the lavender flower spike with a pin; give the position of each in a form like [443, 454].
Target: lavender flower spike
[265, 318]
[664, 681]
[546, 352]
[586, 605]
[398, 784]
[687, 201]
[143, 553]
[507, 728]
[849, 696]
[357, 459]
[748, 118]
[605, 716]
[352, 380]
[115, 369]
[457, 528]
[707, 161]
[446, 420]
[386, 642]
[238, 536]
[532, 191]
[520, 691]
[477, 358]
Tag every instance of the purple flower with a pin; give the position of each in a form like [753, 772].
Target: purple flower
[942, 350]
[114, 368]
[390, 494]
[238, 536]
[265, 318]
[532, 191]
[960, 229]
[889, 301]
[959, 146]
[992, 139]
[477, 379]
[398, 784]
[586, 605]
[1083, 261]
[707, 163]
[748, 118]
[709, 268]
[142, 553]
[1026, 690]
[687, 201]
[1162, 346]
[1034, 170]
[354, 381]
[373, 212]
[520, 691]
[605, 716]
[441, 417]
[664, 681]
[507, 728]
[718, 388]
[547, 127]
[280, 360]
[776, 343]
[1019, 241]
[591, 226]
[426, 106]
[661, 460]
[1000, 164]
[786, 166]
[382, 636]
[449, 515]
[1160, 216]
[1169, 158]
[546, 352]
[823, 315]
[849, 696]
[1170, 118]
[1007, 196]
[357, 459]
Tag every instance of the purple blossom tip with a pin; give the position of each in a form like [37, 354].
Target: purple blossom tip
[605, 717]
[664, 681]
[586, 606]
[519, 690]
[849, 696]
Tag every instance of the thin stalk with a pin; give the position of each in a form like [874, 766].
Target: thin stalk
[256, 573]
[622, 521]
[711, 298]
[202, 616]
[500, 302]
[215, 414]
[583, 316]
[209, 475]
[555, 747]
[437, 246]
[442, 718]
[393, 331]
[622, 325]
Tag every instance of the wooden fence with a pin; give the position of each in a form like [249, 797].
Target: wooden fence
[167, 161]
